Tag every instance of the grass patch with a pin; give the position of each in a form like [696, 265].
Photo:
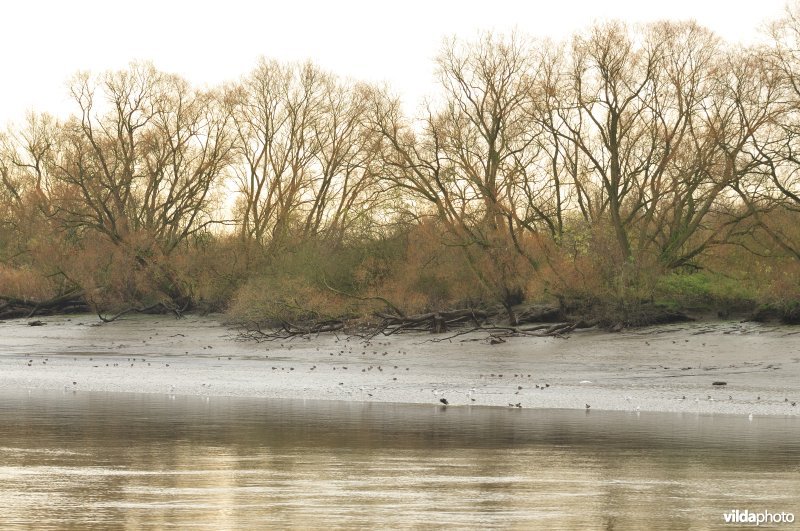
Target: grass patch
[704, 291]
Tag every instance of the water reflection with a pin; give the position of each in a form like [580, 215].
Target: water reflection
[142, 461]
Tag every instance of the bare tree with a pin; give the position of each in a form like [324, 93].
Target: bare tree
[144, 155]
[344, 197]
[273, 110]
[774, 193]
[644, 125]
[25, 183]
[304, 164]
[474, 160]
[139, 164]
[24, 157]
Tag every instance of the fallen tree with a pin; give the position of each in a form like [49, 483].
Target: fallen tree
[435, 322]
[157, 308]
[73, 301]
[459, 321]
[287, 330]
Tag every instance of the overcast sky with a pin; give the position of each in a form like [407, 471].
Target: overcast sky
[42, 43]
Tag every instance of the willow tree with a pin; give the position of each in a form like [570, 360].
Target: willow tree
[473, 159]
[773, 194]
[651, 131]
[303, 155]
[138, 165]
[32, 272]
[24, 170]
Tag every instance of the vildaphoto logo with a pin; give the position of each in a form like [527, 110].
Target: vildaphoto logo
[764, 517]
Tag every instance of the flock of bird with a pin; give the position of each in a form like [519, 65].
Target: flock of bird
[379, 350]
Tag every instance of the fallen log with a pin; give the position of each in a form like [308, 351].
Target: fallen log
[289, 330]
[460, 322]
[538, 314]
[69, 302]
[159, 307]
[434, 322]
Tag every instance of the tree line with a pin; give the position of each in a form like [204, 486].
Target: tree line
[605, 170]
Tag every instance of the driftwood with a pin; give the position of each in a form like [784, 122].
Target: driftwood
[70, 302]
[435, 322]
[550, 322]
[288, 330]
[497, 332]
[536, 321]
[74, 301]
[178, 311]
[538, 314]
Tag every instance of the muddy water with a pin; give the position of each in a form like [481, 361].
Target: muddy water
[114, 460]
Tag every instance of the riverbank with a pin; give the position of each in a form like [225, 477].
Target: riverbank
[669, 368]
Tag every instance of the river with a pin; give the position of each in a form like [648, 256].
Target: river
[94, 460]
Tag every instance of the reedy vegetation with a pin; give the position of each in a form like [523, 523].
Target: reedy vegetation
[628, 166]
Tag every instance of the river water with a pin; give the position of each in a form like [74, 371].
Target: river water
[111, 460]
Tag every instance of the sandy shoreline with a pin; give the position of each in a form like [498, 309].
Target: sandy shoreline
[667, 368]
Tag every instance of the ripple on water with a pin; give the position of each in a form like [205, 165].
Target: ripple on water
[99, 461]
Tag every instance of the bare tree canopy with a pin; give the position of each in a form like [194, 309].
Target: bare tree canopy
[598, 168]
[144, 155]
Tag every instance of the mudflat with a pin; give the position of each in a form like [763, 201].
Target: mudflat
[705, 367]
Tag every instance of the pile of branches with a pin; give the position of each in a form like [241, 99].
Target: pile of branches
[435, 322]
[287, 330]
[549, 321]
[466, 321]
[160, 307]
[70, 302]
[531, 321]
[75, 301]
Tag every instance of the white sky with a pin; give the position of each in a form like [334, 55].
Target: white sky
[43, 43]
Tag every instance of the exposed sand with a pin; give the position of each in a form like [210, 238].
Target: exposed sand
[651, 369]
